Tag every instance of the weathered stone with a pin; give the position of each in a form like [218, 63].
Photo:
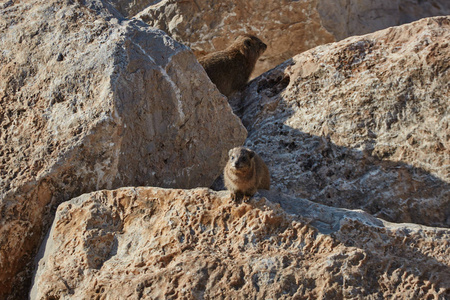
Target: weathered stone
[345, 18]
[362, 123]
[129, 8]
[287, 27]
[91, 101]
[152, 243]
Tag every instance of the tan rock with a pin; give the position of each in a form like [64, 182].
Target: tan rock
[287, 27]
[362, 123]
[152, 243]
[347, 18]
[91, 101]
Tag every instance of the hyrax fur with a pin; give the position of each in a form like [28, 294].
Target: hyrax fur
[231, 68]
[245, 173]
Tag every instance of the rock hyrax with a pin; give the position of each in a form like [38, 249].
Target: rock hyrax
[231, 68]
[245, 173]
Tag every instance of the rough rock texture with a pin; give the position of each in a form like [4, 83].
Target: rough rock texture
[90, 101]
[129, 8]
[346, 18]
[287, 27]
[362, 123]
[152, 243]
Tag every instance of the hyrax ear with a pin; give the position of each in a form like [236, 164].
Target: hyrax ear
[251, 154]
[248, 43]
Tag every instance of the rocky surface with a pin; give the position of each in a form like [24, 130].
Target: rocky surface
[207, 26]
[152, 243]
[129, 8]
[287, 27]
[346, 18]
[92, 101]
[362, 123]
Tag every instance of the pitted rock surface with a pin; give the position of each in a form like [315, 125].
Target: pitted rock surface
[152, 243]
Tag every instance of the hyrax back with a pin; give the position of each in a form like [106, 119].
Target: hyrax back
[231, 68]
[245, 173]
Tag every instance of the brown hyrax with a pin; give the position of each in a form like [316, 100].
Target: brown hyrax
[245, 173]
[231, 68]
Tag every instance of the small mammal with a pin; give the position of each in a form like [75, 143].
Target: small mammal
[231, 68]
[245, 173]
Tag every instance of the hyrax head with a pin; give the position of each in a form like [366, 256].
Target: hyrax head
[252, 45]
[240, 158]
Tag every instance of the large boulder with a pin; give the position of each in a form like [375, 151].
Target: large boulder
[152, 243]
[361, 123]
[287, 27]
[92, 101]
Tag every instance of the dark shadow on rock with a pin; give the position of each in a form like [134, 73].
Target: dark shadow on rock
[326, 220]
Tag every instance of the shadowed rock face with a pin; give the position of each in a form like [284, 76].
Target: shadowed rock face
[149, 243]
[362, 123]
[91, 101]
[287, 27]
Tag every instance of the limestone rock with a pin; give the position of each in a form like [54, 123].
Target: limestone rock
[287, 27]
[91, 101]
[361, 123]
[152, 243]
